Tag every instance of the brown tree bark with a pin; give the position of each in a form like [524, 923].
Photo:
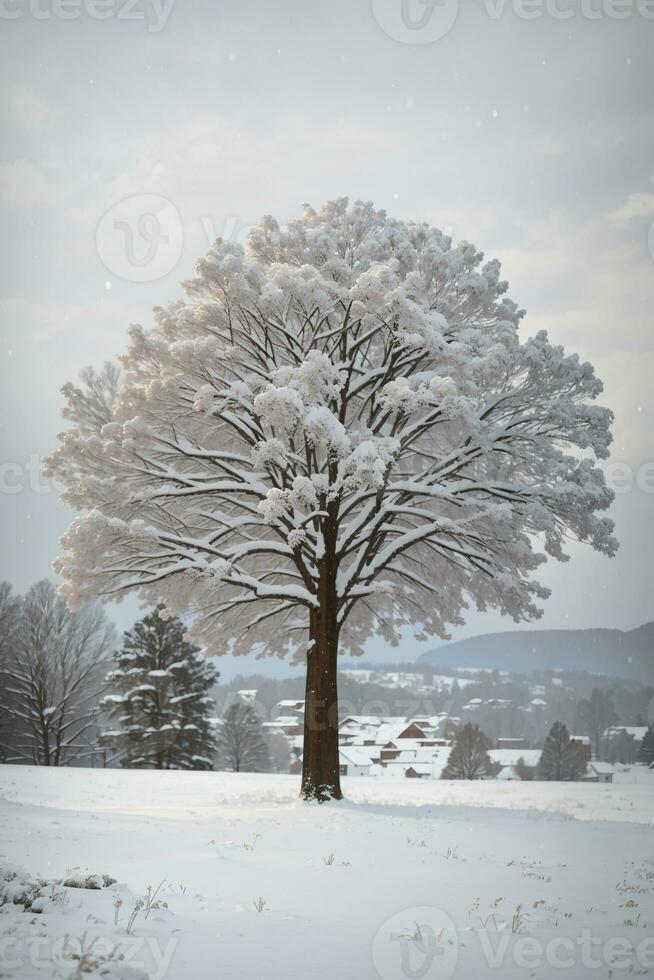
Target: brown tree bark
[321, 763]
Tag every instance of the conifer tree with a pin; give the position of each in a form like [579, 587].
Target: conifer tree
[646, 751]
[159, 699]
[561, 758]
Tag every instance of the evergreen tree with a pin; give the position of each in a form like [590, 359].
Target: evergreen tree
[646, 751]
[561, 759]
[159, 699]
[469, 757]
[242, 745]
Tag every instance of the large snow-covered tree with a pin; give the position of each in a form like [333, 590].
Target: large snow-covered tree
[158, 699]
[338, 432]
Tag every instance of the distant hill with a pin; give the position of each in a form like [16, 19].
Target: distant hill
[620, 653]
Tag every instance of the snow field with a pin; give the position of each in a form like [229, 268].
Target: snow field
[427, 879]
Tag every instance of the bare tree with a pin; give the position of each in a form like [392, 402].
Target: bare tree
[242, 745]
[53, 677]
[339, 433]
[595, 715]
[10, 619]
[10, 606]
[469, 757]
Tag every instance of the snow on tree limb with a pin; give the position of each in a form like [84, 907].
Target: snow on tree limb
[349, 389]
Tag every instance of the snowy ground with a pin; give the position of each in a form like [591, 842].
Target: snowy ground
[414, 879]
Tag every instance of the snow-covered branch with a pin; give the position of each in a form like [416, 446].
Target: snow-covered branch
[345, 406]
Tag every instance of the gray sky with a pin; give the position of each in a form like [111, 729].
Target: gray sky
[533, 138]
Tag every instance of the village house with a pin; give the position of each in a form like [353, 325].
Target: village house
[599, 772]
[473, 704]
[512, 743]
[535, 705]
[354, 761]
[289, 706]
[518, 763]
[584, 746]
[621, 743]
[288, 719]
[417, 762]
[285, 725]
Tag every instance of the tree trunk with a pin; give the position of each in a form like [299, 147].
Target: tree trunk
[321, 765]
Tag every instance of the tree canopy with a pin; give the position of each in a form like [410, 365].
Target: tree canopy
[349, 387]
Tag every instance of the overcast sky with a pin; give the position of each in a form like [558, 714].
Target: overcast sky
[531, 137]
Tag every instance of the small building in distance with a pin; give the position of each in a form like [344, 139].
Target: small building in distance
[520, 763]
[621, 743]
[600, 772]
[354, 761]
[512, 743]
[584, 746]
